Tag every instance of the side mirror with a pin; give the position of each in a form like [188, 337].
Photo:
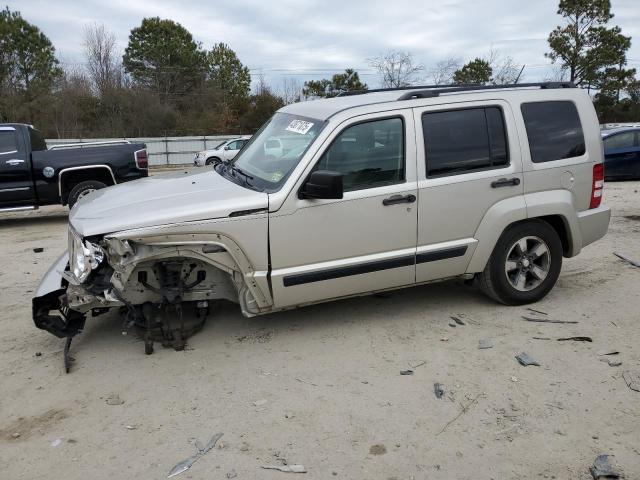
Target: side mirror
[323, 184]
[226, 147]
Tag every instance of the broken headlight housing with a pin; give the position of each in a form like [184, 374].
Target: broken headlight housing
[84, 257]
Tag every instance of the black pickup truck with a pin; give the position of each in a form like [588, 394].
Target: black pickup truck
[32, 175]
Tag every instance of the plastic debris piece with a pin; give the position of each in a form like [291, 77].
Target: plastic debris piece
[286, 468]
[114, 399]
[438, 389]
[514, 379]
[457, 320]
[545, 320]
[38, 250]
[576, 339]
[607, 352]
[526, 360]
[406, 372]
[56, 442]
[232, 474]
[611, 362]
[185, 465]
[541, 338]
[377, 449]
[628, 260]
[537, 311]
[632, 379]
[452, 324]
[419, 364]
[259, 403]
[602, 468]
[484, 343]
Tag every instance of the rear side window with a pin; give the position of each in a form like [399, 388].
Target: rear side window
[620, 140]
[554, 130]
[8, 141]
[37, 140]
[461, 141]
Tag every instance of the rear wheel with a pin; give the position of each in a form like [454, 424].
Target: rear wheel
[525, 264]
[82, 189]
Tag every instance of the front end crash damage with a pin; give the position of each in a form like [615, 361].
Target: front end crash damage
[163, 286]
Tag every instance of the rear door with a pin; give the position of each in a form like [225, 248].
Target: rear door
[232, 149]
[622, 155]
[16, 186]
[468, 160]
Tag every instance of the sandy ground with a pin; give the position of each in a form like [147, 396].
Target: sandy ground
[321, 386]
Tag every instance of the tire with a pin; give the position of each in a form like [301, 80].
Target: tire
[212, 161]
[513, 277]
[82, 189]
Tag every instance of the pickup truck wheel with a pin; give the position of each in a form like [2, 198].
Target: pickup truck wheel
[525, 264]
[212, 161]
[82, 189]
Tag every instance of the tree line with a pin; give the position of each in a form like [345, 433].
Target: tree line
[166, 83]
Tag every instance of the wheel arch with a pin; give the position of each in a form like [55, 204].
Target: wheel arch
[69, 177]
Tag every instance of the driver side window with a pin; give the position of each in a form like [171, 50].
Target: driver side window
[369, 154]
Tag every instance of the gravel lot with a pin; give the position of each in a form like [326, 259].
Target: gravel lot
[321, 386]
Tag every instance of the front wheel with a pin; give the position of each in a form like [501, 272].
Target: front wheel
[525, 264]
[212, 161]
[82, 189]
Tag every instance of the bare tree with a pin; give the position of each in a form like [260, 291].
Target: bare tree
[504, 68]
[396, 68]
[442, 73]
[103, 67]
[291, 90]
[558, 73]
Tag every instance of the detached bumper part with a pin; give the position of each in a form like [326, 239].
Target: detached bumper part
[50, 311]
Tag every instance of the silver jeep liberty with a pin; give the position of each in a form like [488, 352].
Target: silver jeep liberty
[366, 192]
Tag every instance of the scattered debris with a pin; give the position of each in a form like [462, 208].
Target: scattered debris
[301, 380]
[457, 320]
[526, 360]
[607, 352]
[602, 468]
[259, 403]
[406, 372]
[130, 427]
[632, 379]
[38, 354]
[377, 449]
[114, 399]
[452, 324]
[544, 320]
[38, 250]
[438, 389]
[514, 379]
[628, 260]
[15, 435]
[188, 463]
[416, 365]
[483, 343]
[541, 338]
[56, 442]
[536, 311]
[611, 362]
[576, 339]
[286, 468]
[463, 411]
[232, 474]
[444, 339]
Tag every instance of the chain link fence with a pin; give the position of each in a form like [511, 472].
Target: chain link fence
[162, 150]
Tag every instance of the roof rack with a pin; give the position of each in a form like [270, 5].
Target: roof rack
[411, 87]
[433, 92]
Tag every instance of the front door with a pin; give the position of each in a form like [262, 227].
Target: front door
[323, 249]
[468, 161]
[16, 187]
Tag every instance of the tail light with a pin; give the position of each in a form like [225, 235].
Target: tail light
[597, 185]
[142, 161]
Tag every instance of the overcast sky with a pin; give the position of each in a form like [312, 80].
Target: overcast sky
[316, 38]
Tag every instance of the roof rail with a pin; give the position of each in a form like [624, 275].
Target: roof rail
[411, 87]
[434, 92]
[87, 144]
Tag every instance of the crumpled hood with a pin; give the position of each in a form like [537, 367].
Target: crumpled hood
[162, 199]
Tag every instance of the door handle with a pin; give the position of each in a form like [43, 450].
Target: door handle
[505, 182]
[14, 161]
[395, 199]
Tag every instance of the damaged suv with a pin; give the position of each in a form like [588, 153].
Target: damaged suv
[370, 192]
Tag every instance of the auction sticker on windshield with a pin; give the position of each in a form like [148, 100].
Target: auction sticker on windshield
[299, 126]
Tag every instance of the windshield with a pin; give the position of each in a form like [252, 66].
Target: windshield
[275, 150]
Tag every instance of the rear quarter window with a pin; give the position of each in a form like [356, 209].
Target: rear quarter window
[8, 141]
[554, 130]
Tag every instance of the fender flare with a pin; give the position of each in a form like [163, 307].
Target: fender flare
[87, 167]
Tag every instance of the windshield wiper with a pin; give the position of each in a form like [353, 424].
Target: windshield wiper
[232, 170]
